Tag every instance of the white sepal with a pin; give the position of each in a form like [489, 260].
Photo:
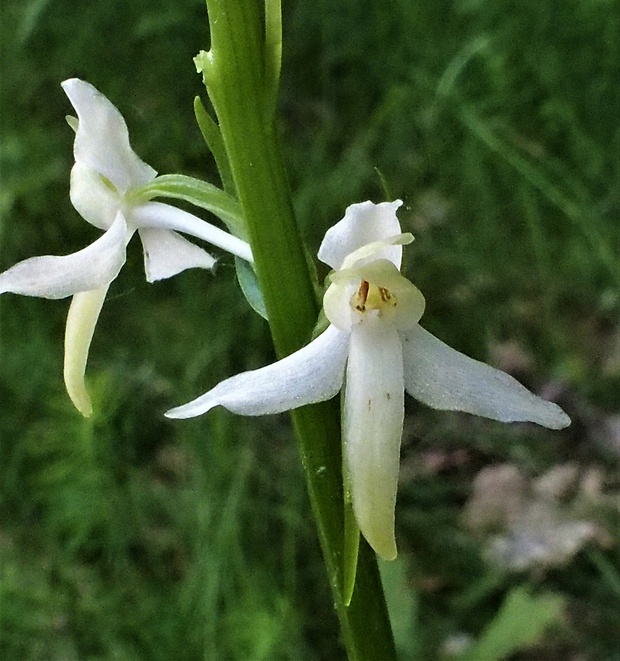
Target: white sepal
[312, 374]
[362, 224]
[102, 139]
[446, 379]
[50, 276]
[373, 427]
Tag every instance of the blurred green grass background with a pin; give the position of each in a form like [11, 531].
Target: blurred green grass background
[130, 537]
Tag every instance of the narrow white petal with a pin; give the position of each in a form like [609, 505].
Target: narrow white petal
[312, 374]
[102, 139]
[363, 223]
[81, 321]
[164, 216]
[166, 253]
[373, 427]
[374, 251]
[337, 302]
[57, 277]
[96, 201]
[444, 378]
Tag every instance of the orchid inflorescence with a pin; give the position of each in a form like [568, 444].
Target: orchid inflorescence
[373, 349]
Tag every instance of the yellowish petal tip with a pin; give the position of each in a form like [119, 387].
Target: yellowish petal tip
[390, 557]
[72, 121]
[382, 543]
[86, 411]
[81, 399]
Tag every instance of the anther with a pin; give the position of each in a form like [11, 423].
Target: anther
[362, 295]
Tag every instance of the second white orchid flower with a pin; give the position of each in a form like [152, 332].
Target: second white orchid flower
[106, 174]
[374, 349]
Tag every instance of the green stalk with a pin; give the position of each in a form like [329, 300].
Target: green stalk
[241, 87]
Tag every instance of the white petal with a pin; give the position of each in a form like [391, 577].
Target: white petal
[57, 277]
[363, 223]
[102, 139]
[166, 254]
[337, 303]
[95, 201]
[443, 378]
[164, 216]
[374, 251]
[312, 374]
[373, 427]
[81, 321]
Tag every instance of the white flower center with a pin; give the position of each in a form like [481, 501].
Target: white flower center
[371, 297]
[372, 291]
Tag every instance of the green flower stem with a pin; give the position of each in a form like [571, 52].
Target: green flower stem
[241, 91]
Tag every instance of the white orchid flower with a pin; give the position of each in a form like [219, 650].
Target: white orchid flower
[374, 349]
[105, 174]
